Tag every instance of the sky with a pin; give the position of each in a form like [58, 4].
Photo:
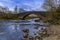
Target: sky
[28, 5]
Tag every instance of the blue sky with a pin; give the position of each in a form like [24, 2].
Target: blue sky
[25, 4]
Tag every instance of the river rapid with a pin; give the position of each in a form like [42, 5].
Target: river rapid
[12, 29]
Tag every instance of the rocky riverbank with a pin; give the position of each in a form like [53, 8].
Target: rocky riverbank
[54, 31]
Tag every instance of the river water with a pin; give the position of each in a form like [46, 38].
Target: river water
[12, 30]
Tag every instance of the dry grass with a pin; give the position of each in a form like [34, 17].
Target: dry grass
[54, 31]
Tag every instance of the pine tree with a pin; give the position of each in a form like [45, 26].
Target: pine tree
[15, 9]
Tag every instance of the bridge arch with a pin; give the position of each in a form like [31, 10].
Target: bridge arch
[31, 15]
[38, 14]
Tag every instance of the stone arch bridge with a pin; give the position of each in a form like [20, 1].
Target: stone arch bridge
[40, 14]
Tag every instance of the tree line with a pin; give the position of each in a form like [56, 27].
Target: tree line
[6, 14]
[53, 8]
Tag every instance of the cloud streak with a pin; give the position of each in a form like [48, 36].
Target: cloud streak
[25, 4]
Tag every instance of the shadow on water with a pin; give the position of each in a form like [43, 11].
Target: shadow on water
[12, 30]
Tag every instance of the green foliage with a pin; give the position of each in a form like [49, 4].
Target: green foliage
[53, 18]
[6, 14]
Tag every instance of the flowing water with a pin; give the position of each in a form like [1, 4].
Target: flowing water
[12, 30]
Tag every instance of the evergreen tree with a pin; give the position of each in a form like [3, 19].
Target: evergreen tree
[15, 9]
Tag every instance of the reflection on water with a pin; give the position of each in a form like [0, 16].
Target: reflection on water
[13, 30]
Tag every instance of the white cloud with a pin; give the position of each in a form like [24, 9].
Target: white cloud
[1, 4]
[30, 5]
[8, 3]
[36, 5]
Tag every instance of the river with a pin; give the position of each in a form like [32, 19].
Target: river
[12, 29]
